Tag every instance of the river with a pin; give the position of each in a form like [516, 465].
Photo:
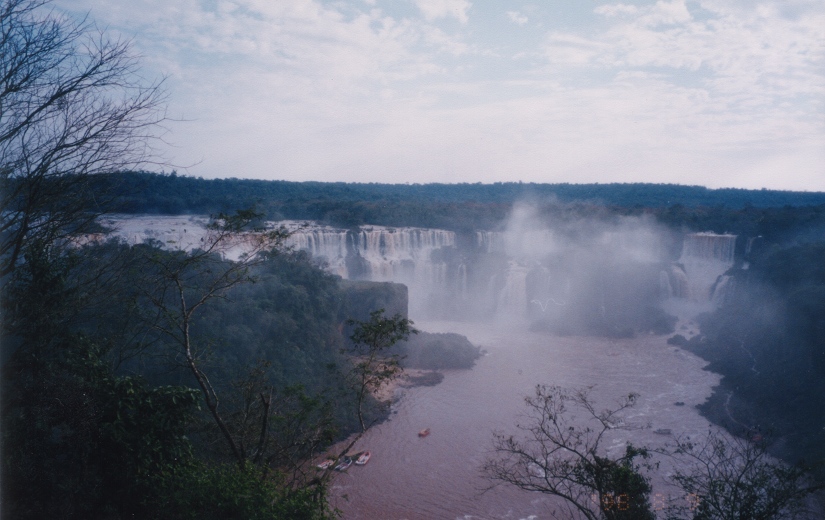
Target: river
[439, 476]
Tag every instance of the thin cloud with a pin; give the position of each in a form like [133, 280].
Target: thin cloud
[435, 9]
[517, 18]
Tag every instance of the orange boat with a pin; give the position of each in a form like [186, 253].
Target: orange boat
[424, 432]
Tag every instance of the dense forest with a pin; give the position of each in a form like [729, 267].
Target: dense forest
[461, 206]
[100, 396]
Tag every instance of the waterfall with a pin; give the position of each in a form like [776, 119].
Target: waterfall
[462, 281]
[709, 246]
[380, 254]
[402, 254]
[722, 289]
[665, 289]
[490, 241]
[512, 300]
[388, 254]
[326, 244]
[706, 257]
[680, 285]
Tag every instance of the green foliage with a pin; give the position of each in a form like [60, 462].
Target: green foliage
[148, 425]
[80, 442]
[360, 298]
[380, 332]
[92, 440]
[431, 351]
[204, 491]
[373, 364]
[623, 491]
[459, 207]
[288, 317]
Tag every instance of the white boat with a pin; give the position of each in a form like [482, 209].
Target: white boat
[363, 458]
[327, 463]
[345, 463]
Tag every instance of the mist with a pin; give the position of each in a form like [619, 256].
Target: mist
[547, 267]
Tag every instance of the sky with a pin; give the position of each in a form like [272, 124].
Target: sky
[718, 93]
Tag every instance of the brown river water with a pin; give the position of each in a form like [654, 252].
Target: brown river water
[439, 476]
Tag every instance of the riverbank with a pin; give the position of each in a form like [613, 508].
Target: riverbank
[409, 378]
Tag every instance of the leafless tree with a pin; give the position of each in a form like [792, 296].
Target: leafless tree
[72, 104]
[561, 453]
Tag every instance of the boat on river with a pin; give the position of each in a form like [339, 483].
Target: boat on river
[327, 463]
[363, 458]
[345, 463]
[424, 432]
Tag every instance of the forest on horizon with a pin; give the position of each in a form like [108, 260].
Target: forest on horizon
[464, 207]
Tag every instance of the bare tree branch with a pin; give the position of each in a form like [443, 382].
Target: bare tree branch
[72, 104]
[560, 454]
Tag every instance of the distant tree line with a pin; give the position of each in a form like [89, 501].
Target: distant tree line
[458, 206]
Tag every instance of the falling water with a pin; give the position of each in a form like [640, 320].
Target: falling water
[706, 257]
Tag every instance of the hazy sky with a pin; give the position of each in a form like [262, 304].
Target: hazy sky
[711, 92]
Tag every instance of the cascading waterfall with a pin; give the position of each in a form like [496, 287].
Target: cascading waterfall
[401, 254]
[706, 257]
[680, 287]
[327, 244]
[380, 254]
[709, 247]
[490, 241]
[721, 289]
[492, 275]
